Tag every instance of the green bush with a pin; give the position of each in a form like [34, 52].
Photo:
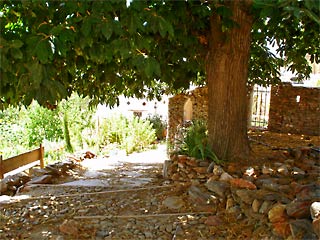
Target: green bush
[158, 125]
[131, 135]
[77, 116]
[11, 132]
[42, 123]
[193, 141]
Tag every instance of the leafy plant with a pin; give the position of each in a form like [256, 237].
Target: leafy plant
[158, 125]
[42, 123]
[194, 141]
[132, 134]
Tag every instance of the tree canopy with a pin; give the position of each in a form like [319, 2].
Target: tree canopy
[104, 49]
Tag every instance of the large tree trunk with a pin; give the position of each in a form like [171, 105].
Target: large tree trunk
[227, 73]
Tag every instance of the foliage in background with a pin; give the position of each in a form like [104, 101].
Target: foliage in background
[12, 136]
[193, 141]
[42, 123]
[158, 125]
[66, 132]
[23, 129]
[129, 134]
[69, 127]
[80, 118]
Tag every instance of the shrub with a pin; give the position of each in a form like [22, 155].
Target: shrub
[193, 141]
[158, 125]
[132, 134]
[42, 123]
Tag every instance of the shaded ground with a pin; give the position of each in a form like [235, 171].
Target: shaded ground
[123, 198]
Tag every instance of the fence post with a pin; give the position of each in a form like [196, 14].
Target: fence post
[41, 156]
[1, 168]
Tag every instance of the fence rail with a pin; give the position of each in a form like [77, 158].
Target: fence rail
[10, 164]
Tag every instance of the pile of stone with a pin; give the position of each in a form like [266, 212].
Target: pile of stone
[285, 194]
[12, 184]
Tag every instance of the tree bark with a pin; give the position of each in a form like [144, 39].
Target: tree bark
[227, 75]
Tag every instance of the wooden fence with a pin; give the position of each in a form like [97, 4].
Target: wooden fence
[31, 157]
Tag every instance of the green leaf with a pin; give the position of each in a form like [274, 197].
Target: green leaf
[36, 73]
[43, 51]
[106, 30]
[266, 12]
[16, 53]
[152, 67]
[313, 16]
[108, 54]
[86, 27]
[165, 27]
[16, 44]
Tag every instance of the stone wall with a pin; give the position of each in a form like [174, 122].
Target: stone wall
[295, 110]
[292, 109]
[199, 99]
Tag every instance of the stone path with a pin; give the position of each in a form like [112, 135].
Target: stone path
[112, 199]
[127, 198]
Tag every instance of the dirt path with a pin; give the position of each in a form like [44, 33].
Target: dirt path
[122, 197]
[115, 198]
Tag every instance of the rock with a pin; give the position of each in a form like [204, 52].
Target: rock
[315, 210]
[192, 162]
[173, 202]
[297, 172]
[36, 172]
[265, 180]
[53, 170]
[45, 179]
[167, 166]
[225, 177]
[277, 213]
[200, 169]
[148, 235]
[198, 195]
[241, 183]
[316, 226]
[102, 233]
[279, 219]
[217, 170]
[3, 186]
[267, 170]
[256, 205]
[89, 155]
[299, 208]
[249, 172]
[308, 192]
[204, 164]
[176, 177]
[263, 194]
[213, 221]
[69, 227]
[16, 180]
[265, 206]
[210, 167]
[169, 228]
[302, 229]
[281, 229]
[245, 196]
[220, 188]
[182, 158]
[283, 170]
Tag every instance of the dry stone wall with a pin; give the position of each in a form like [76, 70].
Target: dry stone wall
[292, 109]
[199, 99]
[295, 110]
